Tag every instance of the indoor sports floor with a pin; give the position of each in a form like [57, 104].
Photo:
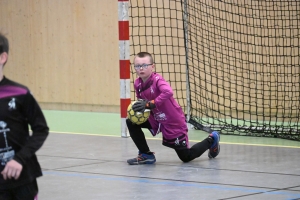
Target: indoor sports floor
[84, 158]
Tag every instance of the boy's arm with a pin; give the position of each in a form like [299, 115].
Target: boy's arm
[39, 129]
[165, 92]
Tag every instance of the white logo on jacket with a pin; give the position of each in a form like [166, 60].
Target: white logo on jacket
[160, 116]
[12, 104]
[151, 90]
[6, 153]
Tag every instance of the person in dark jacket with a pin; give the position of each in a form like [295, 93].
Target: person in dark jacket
[19, 112]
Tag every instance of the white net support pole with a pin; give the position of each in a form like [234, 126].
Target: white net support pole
[124, 64]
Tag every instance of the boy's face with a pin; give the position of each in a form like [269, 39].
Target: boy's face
[143, 67]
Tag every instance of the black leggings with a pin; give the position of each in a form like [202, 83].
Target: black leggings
[138, 136]
[195, 151]
[185, 155]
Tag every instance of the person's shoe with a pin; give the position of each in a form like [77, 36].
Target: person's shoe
[142, 159]
[215, 147]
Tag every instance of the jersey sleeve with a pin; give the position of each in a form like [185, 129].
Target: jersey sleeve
[165, 92]
[37, 122]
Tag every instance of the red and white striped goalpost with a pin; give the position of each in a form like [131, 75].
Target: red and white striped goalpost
[124, 58]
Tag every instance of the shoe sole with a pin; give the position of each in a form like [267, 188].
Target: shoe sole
[210, 156]
[142, 162]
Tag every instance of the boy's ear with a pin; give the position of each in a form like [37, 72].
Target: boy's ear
[3, 58]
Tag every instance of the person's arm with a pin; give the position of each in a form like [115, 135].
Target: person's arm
[39, 128]
[165, 92]
[40, 131]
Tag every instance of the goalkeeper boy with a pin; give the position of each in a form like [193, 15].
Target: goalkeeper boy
[166, 116]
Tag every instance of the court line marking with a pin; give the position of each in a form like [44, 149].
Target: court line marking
[174, 183]
[234, 143]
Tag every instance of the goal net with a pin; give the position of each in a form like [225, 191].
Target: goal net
[233, 64]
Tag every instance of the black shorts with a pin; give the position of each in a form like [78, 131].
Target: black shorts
[24, 192]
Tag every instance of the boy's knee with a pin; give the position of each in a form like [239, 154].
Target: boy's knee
[128, 121]
[185, 158]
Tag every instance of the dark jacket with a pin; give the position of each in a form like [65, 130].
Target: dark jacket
[19, 112]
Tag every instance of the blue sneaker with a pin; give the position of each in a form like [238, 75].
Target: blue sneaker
[142, 159]
[215, 147]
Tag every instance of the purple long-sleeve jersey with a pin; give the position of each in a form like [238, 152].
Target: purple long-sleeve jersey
[168, 117]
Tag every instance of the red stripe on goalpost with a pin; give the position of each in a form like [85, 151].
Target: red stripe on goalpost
[123, 30]
[124, 69]
[124, 104]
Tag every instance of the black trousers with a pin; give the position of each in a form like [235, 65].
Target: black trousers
[25, 192]
[184, 154]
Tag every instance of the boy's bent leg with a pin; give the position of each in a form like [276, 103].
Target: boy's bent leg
[145, 156]
[195, 151]
[138, 136]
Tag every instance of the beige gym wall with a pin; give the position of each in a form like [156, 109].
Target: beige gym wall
[65, 51]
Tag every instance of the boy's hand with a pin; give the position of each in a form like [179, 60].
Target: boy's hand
[12, 169]
[142, 104]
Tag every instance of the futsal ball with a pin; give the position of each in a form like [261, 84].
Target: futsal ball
[137, 117]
